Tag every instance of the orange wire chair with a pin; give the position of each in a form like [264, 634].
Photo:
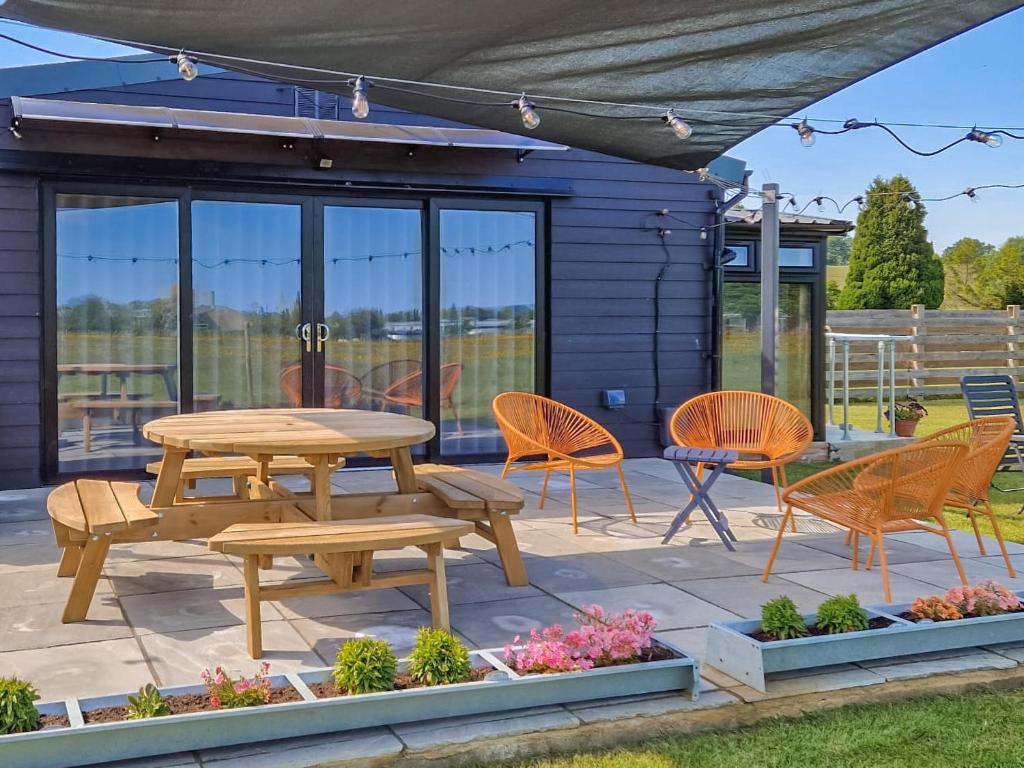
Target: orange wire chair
[987, 439]
[378, 379]
[408, 391]
[341, 387]
[767, 432]
[535, 426]
[889, 492]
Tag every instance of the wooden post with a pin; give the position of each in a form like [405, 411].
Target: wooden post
[253, 620]
[919, 329]
[1012, 329]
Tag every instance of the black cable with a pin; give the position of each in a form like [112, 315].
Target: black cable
[47, 51]
[665, 266]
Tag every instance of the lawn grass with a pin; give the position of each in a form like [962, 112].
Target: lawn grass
[976, 730]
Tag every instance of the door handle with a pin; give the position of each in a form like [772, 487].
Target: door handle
[323, 333]
[305, 332]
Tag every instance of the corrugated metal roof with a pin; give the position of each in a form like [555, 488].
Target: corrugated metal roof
[753, 218]
[28, 110]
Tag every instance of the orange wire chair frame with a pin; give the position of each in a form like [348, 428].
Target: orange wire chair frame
[379, 378]
[767, 432]
[342, 388]
[888, 492]
[534, 426]
[987, 439]
[408, 390]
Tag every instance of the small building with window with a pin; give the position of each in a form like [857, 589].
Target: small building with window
[233, 242]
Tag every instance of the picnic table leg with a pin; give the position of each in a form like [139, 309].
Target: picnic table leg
[508, 549]
[69, 560]
[86, 430]
[321, 486]
[405, 476]
[253, 620]
[438, 587]
[167, 481]
[93, 555]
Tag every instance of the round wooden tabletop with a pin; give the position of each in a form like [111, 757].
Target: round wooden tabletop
[288, 431]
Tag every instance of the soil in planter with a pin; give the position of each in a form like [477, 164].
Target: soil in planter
[183, 703]
[878, 622]
[403, 682]
[54, 721]
[911, 617]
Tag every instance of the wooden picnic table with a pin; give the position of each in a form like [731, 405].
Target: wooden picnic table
[122, 371]
[318, 435]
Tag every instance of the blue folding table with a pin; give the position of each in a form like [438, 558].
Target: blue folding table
[684, 459]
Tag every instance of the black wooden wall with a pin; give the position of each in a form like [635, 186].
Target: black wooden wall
[605, 252]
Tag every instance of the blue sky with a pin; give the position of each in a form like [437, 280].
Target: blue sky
[975, 78]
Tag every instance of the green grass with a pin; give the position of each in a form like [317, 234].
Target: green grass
[976, 730]
[837, 273]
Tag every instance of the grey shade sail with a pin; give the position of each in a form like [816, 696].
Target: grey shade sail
[28, 110]
[710, 61]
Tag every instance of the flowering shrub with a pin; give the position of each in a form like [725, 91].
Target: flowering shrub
[226, 693]
[602, 639]
[986, 598]
[936, 608]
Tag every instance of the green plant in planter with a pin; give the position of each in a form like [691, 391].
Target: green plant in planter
[149, 703]
[438, 658]
[365, 665]
[781, 618]
[17, 712]
[842, 613]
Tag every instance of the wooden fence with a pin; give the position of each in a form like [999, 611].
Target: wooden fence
[944, 346]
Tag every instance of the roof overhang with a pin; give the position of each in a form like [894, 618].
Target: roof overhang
[729, 69]
[738, 220]
[28, 112]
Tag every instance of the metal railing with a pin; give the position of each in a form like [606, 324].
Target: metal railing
[886, 343]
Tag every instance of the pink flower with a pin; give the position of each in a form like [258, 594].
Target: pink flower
[215, 702]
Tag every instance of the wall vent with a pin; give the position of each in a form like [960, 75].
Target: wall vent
[310, 102]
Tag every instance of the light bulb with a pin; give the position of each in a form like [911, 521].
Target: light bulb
[971, 194]
[680, 127]
[909, 201]
[806, 132]
[993, 140]
[817, 202]
[862, 204]
[360, 102]
[526, 110]
[186, 66]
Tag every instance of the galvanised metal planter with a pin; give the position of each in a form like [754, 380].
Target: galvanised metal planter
[732, 650]
[86, 744]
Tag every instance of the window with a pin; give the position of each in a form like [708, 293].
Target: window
[796, 256]
[743, 253]
[117, 327]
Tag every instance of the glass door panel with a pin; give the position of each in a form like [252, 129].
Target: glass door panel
[246, 282]
[488, 313]
[373, 308]
[741, 344]
[117, 327]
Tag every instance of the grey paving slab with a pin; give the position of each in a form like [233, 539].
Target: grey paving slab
[867, 585]
[179, 657]
[492, 625]
[340, 749]
[36, 554]
[480, 583]
[412, 558]
[793, 556]
[326, 634]
[925, 665]
[88, 669]
[693, 641]
[25, 532]
[369, 601]
[745, 596]
[1014, 651]
[678, 562]
[39, 586]
[40, 626]
[582, 571]
[942, 573]
[817, 681]
[141, 577]
[23, 504]
[896, 550]
[672, 608]
[195, 609]
[177, 760]
[157, 550]
[964, 541]
[647, 706]
[459, 730]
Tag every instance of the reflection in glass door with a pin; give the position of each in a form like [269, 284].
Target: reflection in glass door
[373, 308]
[246, 282]
[488, 306]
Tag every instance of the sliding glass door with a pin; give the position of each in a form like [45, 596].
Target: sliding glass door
[192, 300]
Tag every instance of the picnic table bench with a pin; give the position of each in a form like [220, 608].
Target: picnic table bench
[238, 468]
[344, 551]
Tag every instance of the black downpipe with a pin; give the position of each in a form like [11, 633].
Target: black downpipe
[718, 280]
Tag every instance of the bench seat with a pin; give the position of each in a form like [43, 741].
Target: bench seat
[238, 468]
[87, 515]
[343, 549]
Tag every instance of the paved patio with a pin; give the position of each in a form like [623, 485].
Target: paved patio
[163, 611]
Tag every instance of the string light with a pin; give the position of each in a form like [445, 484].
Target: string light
[186, 66]
[527, 111]
[360, 99]
[680, 127]
[806, 132]
[989, 139]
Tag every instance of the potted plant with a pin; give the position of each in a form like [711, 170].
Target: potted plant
[907, 413]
